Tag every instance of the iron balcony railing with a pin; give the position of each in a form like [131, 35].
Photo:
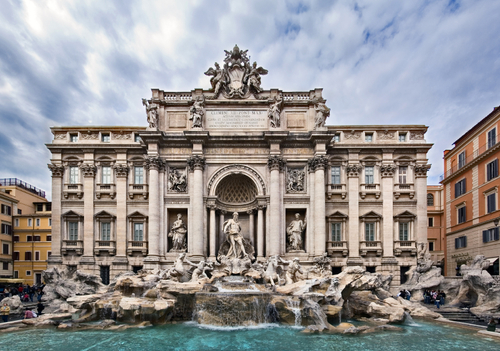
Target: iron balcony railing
[21, 184]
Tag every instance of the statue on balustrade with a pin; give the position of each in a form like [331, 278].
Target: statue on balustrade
[152, 113]
[294, 232]
[178, 234]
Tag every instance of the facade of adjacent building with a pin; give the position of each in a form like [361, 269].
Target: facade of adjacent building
[32, 243]
[471, 195]
[435, 224]
[265, 154]
[8, 205]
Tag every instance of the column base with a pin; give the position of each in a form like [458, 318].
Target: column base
[87, 260]
[120, 260]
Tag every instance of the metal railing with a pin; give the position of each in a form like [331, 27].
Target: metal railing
[21, 184]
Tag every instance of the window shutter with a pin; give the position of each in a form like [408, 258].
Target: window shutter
[456, 243]
[456, 189]
[496, 234]
[485, 236]
[465, 241]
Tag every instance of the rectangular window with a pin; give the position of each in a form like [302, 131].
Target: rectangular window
[49, 237]
[368, 137]
[29, 238]
[490, 235]
[138, 231]
[106, 175]
[403, 171]
[491, 203]
[19, 211]
[16, 222]
[461, 159]
[402, 137]
[28, 273]
[460, 188]
[336, 175]
[73, 138]
[460, 242]
[49, 254]
[336, 138]
[5, 266]
[336, 232]
[27, 256]
[36, 238]
[48, 207]
[39, 207]
[106, 231]
[16, 238]
[431, 246]
[139, 175]
[7, 210]
[369, 170]
[431, 222]
[403, 231]
[6, 229]
[137, 138]
[16, 256]
[16, 274]
[369, 231]
[73, 230]
[37, 255]
[30, 222]
[105, 137]
[73, 175]
[5, 249]
[50, 222]
[38, 222]
[492, 137]
[461, 215]
[492, 170]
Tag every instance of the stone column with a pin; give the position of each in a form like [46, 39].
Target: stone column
[276, 165]
[89, 171]
[387, 173]
[421, 196]
[57, 238]
[121, 171]
[251, 229]
[353, 171]
[153, 165]
[260, 231]
[212, 231]
[161, 206]
[318, 164]
[311, 228]
[196, 165]
[221, 226]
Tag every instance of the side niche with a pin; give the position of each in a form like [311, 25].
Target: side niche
[177, 231]
[296, 224]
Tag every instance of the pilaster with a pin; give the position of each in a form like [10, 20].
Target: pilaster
[57, 184]
[196, 165]
[276, 165]
[353, 171]
[387, 171]
[88, 170]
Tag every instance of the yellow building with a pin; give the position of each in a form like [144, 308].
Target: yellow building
[25, 216]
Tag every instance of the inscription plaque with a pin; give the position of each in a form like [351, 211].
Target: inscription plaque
[236, 119]
[177, 120]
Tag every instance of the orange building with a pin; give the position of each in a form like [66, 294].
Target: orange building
[471, 185]
[8, 206]
[435, 224]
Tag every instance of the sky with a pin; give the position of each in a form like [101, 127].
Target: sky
[65, 63]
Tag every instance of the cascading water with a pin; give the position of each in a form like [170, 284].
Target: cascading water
[409, 320]
[294, 306]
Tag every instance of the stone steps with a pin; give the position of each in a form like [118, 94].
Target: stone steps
[456, 314]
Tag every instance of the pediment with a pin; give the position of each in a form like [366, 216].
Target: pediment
[137, 214]
[371, 215]
[405, 215]
[73, 214]
[338, 214]
[104, 214]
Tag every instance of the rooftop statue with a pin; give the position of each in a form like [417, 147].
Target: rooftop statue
[152, 113]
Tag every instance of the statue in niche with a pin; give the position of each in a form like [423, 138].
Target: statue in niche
[294, 267]
[152, 113]
[232, 229]
[322, 113]
[197, 112]
[253, 77]
[295, 181]
[177, 180]
[178, 234]
[294, 233]
[275, 112]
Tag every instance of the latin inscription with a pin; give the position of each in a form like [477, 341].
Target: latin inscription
[236, 119]
[177, 120]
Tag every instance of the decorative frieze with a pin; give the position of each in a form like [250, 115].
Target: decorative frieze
[417, 135]
[353, 170]
[386, 135]
[60, 136]
[196, 162]
[121, 171]
[352, 135]
[421, 170]
[90, 136]
[122, 135]
[57, 170]
[387, 170]
[88, 170]
[276, 163]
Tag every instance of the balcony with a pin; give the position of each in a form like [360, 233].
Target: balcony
[72, 246]
[337, 247]
[400, 189]
[137, 246]
[73, 189]
[105, 246]
[370, 246]
[105, 189]
[336, 189]
[138, 189]
[369, 189]
[405, 246]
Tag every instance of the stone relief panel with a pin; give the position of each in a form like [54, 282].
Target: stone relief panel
[122, 135]
[386, 135]
[177, 120]
[60, 136]
[177, 180]
[296, 120]
[353, 135]
[417, 135]
[236, 151]
[90, 136]
[295, 180]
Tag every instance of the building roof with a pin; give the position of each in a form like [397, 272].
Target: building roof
[482, 122]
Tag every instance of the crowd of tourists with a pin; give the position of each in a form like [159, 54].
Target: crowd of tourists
[405, 294]
[436, 297]
[25, 292]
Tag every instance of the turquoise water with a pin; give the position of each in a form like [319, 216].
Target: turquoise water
[190, 336]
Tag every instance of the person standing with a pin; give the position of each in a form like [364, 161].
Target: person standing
[5, 311]
[492, 325]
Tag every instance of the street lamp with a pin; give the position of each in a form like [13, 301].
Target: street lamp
[495, 221]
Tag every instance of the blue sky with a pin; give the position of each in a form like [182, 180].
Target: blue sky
[380, 62]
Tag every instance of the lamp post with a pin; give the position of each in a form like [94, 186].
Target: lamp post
[495, 221]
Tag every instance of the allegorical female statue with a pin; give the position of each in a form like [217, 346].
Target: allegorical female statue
[178, 234]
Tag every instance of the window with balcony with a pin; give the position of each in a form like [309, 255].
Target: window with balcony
[403, 171]
[491, 202]
[461, 159]
[461, 215]
[138, 232]
[369, 231]
[492, 137]
[138, 175]
[336, 231]
[369, 174]
[461, 242]
[492, 170]
[335, 174]
[491, 235]
[74, 175]
[430, 200]
[460, 188]
[403, 231]
[106, 231]
[105, 137]
[73, 230]
[106, 175]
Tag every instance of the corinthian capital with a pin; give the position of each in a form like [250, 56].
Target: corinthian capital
[317, 162]
[121, 170]
[196, 162]
[88, 169]
[353, 170]
[57, 170]
[276, 163]
[155, 163]
[387, 170]
[421, 170]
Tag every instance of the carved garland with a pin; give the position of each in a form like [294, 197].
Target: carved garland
[237, 166]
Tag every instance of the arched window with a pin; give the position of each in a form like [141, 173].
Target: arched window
[430, 200]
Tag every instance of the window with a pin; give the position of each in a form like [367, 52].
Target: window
[403, 171]
[19, 211]
[5, 249]
[39, 207]
[431, 222]
[6, 229]
[492, 137]
[28, 273]
[490, 235]
[491, 202]
[369, 231]
[106, 175]
[73, 230]
[36, 238]
[336, 232]
[49, 237]
[49, 254]
[7, 210]
[336, 175]
[368, 137]
[460, 242]
[492, 170]
[369, 170]
[431, 246]
[430, 200]
[138, 232]
[16, 238]
[461, 215]
[37, 255]
[138, 175]
[106, 231]
[460, 188]
[73, 175]
[27, 256]
[16, 256]
[105, 137]
[38, 222]
[29, 238]
[403, 231]
[50, 222]
[402, 137]
[48, 207]
[16, 222]
[137, 138]
[336, 138]
[30, 222]
[73, 138]
[5, 266]
[16, 274]
[461, 159]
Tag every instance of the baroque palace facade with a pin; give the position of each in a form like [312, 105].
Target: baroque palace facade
[126, 198]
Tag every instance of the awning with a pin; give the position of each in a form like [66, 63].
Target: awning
[492, 260]
[11, 280]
